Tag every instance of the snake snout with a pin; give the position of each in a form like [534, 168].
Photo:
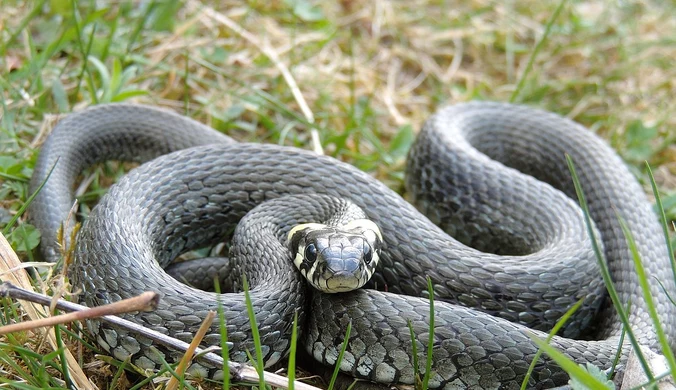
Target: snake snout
[342, 270]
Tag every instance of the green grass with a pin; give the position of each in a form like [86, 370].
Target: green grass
[590, 377]
[369, 72]
[258, 360]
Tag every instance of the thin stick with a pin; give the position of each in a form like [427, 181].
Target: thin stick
[147, 301]
[187, 356]
[269, 52]
[272, 55]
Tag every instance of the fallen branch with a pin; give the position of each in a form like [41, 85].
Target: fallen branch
[144, 302]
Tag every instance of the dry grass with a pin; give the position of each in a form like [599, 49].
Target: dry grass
[604, 65]
[356, 72]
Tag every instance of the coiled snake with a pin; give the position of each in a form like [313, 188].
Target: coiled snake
[484, 172]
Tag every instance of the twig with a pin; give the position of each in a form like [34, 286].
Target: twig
[238, 372]
[27, 264]
[9, 260]
[272, 55]
[455, 63]
[388, 97]
[144, 302]
[269, 52]
[187, 356]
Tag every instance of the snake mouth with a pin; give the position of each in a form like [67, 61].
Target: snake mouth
[338, 285]
[341, 281]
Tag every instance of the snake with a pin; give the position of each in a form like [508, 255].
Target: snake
[490, 226]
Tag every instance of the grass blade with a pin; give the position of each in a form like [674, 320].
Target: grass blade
[559, 324]
[620, 343]
[85, 54]
[536, 50]
[9, 362]
[414, 350]
[8, 176]
[572, 368]
[612, 292]
[663, 220]
[30, 199]
[149, 379]
[118, 374]
[62, 355]
[650, 304]
[225, 353]
[292, 353]
[340, 356]
[35, 11]
[430, 340]
[139, 26]
[172, 371]
[258, 363]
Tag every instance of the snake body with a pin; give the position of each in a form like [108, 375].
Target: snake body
[492, 175]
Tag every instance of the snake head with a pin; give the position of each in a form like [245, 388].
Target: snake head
[336, 259]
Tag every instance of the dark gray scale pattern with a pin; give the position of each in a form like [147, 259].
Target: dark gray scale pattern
[521, 251]
[133, 133]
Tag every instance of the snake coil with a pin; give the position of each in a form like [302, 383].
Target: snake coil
[493, 176]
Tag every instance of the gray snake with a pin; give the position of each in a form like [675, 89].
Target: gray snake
[491, 175]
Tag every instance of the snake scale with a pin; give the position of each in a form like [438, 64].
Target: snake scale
[501, 239]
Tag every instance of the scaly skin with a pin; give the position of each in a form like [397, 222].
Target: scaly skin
[193, 197]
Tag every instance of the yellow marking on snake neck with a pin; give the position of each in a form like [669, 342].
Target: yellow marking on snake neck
[302, 226]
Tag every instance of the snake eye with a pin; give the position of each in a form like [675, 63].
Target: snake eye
[368, 253]
[311, 253]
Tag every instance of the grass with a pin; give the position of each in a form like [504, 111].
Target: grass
[590, 377]
[359, 76]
